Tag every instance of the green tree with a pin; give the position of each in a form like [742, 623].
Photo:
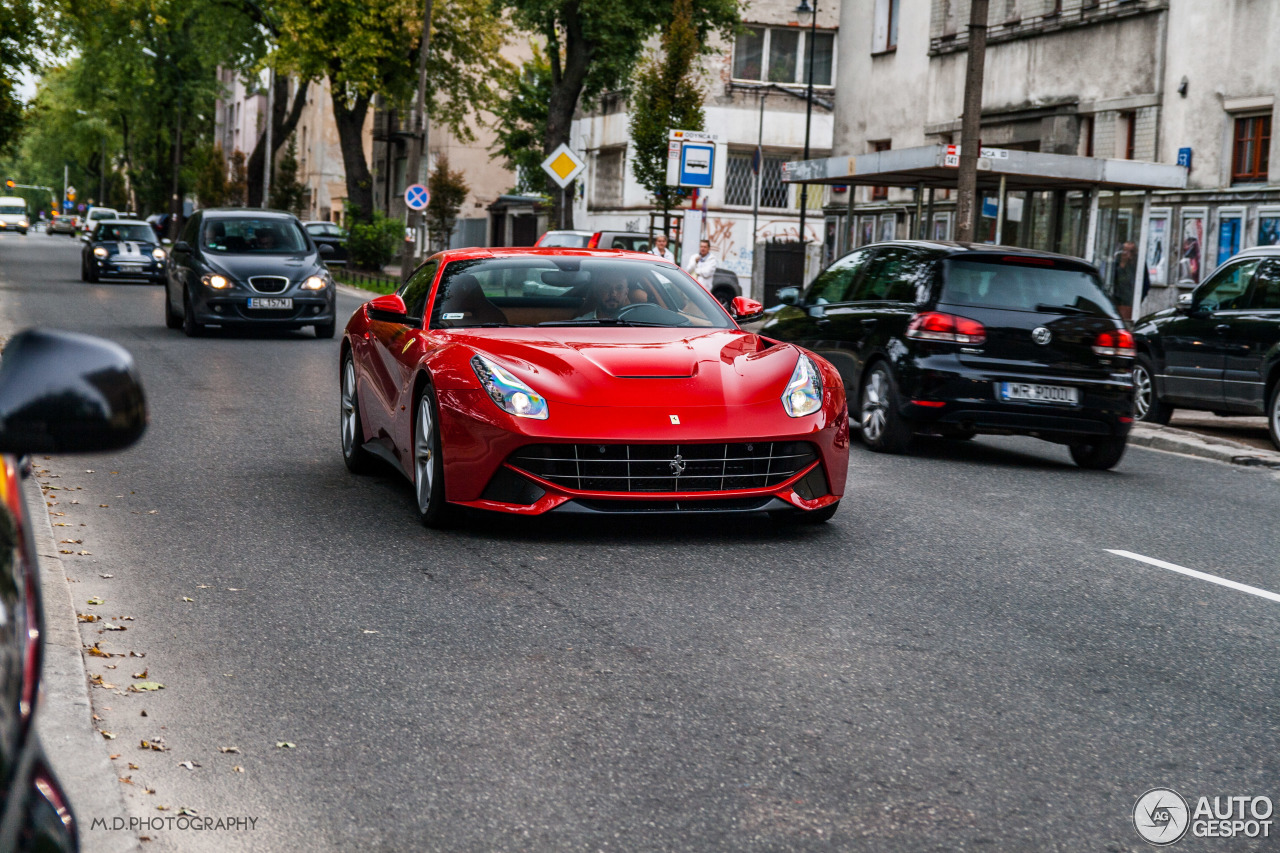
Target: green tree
[370, 47]
[237, 181]
[287, 192]
[211, 180]
[373, 240]
[593, 46]
[666, 94]
[448, 190]
[19, 35]
[520, 121]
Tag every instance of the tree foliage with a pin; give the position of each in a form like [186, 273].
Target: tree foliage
[448, 190]
[593, 46]
[667, 94]
[287, 192]
[520, 121]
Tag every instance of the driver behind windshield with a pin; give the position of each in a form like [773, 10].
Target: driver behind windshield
[609, 295]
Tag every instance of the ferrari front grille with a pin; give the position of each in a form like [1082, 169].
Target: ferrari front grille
[665, 467]
[268, 283]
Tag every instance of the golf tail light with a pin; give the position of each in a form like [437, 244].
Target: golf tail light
[1115, 342]
[314, 282]
[100, 252]
[937, 326]
[804, 392]
[509, 393]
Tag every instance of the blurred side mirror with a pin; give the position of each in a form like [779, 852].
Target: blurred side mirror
[789, 296]
[165, 241]
[745, 310]
[1185, 304]
[389, 308]
[63, 392]
[182, 246]
[84, 236]
[326, 249]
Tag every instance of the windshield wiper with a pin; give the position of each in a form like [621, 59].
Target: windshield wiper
[601, 321]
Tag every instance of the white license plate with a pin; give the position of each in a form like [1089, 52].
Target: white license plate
[270, 303]
[1030, 392]
[130, 268]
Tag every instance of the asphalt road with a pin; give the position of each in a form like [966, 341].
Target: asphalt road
[956, 661]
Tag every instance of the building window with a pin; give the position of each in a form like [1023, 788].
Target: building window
[1250, 156]
[606, 190]
[781, 55]
[773, 192]
[740, 179]
[880, 193]
[1130, 121]
[885, 31]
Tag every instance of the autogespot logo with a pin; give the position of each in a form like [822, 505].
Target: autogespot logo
[1160, 816]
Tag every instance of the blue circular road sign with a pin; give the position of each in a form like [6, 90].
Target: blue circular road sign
[416, 197]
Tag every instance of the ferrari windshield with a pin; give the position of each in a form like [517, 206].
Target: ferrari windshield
[128, 233]
[570, 291]
[253, 234]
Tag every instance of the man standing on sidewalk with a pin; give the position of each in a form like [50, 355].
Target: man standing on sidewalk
[703, 265]
[660, 249]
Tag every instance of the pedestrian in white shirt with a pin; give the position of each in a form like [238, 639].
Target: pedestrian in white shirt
[702, 266]
[660, 249]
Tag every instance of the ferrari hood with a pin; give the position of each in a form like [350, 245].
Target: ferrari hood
[628, 367]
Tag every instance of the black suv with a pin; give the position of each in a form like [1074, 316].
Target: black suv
[1219, 349]
[958, 339]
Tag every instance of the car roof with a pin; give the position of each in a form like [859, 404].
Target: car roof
[1256, 251]
[124, 222]
[254, 212]
[952, 248]
[535, 251]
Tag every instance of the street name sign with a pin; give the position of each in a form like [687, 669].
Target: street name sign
[563, 165]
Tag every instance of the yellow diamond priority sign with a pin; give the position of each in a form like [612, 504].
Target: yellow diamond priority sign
[563, 165]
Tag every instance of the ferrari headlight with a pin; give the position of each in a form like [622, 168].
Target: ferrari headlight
[217, 282]
[315, 282]
[158, 254]
[508, 392]
[804, 392]
[100, 251]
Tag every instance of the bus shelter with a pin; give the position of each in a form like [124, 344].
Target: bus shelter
[1050, 201]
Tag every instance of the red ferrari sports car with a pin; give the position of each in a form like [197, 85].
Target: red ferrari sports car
[531, 380]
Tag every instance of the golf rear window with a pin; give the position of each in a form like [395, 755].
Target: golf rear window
[1033, 284]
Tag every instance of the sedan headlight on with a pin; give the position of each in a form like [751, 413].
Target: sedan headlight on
[804, 392]
[217, 282]
[508, 392]
[315, 282]
[158, 254]
[100, 251]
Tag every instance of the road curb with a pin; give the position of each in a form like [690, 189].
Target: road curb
[64, 722]
[1176, 440]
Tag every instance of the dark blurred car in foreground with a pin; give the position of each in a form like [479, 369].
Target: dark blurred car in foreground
[59, 393]
[122, 248]
[240, 267]
[1218, 350]
[330, 239]
[957, 339]
[64, 223]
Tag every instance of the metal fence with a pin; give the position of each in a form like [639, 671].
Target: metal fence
[368, 281]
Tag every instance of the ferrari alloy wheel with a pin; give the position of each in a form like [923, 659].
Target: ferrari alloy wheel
[357, 459]
[428, 465]
[190, 327]
[883, 429]
[1146, 405]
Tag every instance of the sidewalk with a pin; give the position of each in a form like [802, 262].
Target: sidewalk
[1236, 441]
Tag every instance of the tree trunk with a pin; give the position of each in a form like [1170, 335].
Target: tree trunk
[971, 125]
[285, 124]
[350, 122]
[566, 88]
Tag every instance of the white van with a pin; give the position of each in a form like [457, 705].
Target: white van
[13, 214]
[95, 215]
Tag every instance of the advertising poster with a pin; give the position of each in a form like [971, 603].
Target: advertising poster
[888, 226]
[1191, 247]
[1229, 228]
[868, 230]
[1269, 229]
[1157, 250]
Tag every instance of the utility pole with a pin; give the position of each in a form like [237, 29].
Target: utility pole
[417, 144]
[971, 124]
[271, 120]
[808, 110]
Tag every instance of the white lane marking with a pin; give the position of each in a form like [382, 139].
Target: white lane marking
[1239, 587]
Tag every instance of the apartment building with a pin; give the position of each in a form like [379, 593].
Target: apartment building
[1169, 81]
[755, 87]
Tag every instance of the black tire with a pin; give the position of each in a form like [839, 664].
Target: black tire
[1273, 414]
[1147, 406]
[1099, 454]
[428, 464]
[883, 428]
[357, 459]
[84, 269]
[326, 331]
[190, 327]
[171, 319]
[960, 434]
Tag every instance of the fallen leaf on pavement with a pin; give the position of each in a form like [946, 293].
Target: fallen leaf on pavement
[237, 769]
[104, 506]
[134, 654]
[108, 735]
[369, 632]
[85, 553]
[190, 765]
[65, 551]
[96, 600]
[71, 541]
[142, 674]
[284, 744]
[183, 810]
[114, 757]
[148, 790]
[114, 628]
[156, 745]
[133, 766]
[235, 749]
[203, 586]
[146, 685]
[162, 808]
[128, 780]
[87, 617]
[184, 598]
[106, 576]
[152, 511]
[96, 652]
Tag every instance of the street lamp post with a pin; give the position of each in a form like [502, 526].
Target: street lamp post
[804, 9]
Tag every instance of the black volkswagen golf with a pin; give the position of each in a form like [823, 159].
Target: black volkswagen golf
[959, 339]
[247, 267]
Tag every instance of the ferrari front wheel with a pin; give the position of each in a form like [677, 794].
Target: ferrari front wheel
[357, 459]
[428, 464]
